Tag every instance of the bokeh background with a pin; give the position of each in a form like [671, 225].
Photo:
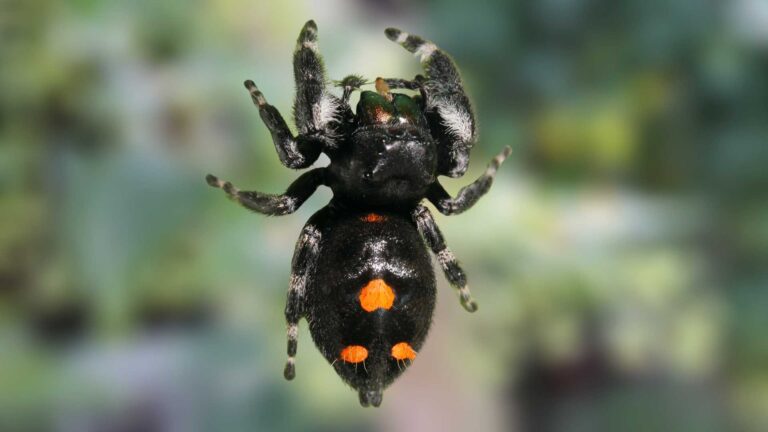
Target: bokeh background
[619, 260]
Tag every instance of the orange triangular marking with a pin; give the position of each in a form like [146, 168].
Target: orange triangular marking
[377, 294]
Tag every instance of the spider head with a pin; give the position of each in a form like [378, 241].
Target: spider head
[391, 159]
[387, 165]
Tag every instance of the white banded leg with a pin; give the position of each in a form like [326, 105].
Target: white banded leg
[302, 266]
[270, 204]
[447, 105]
[469, 194]
[453, 272]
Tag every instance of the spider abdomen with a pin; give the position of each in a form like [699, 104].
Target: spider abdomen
[370, 297]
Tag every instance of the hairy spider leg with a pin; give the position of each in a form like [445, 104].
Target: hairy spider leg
[448, 109]
[431, 234]
[294, 152]
[469, 194]
[349, 84]
[415, 84]
[317, 112]
[303, 264]
[270, 204]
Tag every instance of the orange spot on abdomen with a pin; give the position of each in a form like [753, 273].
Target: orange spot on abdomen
[377, 294]
[354, 354]
[373, 217]
[403, 351]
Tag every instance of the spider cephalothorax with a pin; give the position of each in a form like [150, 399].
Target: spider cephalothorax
[361, 275]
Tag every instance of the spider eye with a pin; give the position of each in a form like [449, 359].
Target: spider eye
[354, 354]
[402, 351]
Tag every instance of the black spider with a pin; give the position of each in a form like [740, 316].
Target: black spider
[361, 275]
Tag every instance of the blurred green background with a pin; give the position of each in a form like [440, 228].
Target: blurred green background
[619, 261]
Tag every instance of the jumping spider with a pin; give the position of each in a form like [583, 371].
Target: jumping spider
[361, 275]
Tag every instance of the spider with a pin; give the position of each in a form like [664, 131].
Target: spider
[361, 275]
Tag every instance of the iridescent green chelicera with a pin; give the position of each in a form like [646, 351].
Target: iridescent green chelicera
[375, 108]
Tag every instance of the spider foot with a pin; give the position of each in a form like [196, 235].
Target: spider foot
[256, 95]
[290, 369]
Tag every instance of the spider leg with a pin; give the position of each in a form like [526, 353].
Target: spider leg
[302, 266]
[270, 204]
[414, 84]
[294, 152]
[469, 194]
[448, 109]
[349, 84]
[428, 229]
[316, 111]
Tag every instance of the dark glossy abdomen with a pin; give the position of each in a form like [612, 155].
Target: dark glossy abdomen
[382, 251]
